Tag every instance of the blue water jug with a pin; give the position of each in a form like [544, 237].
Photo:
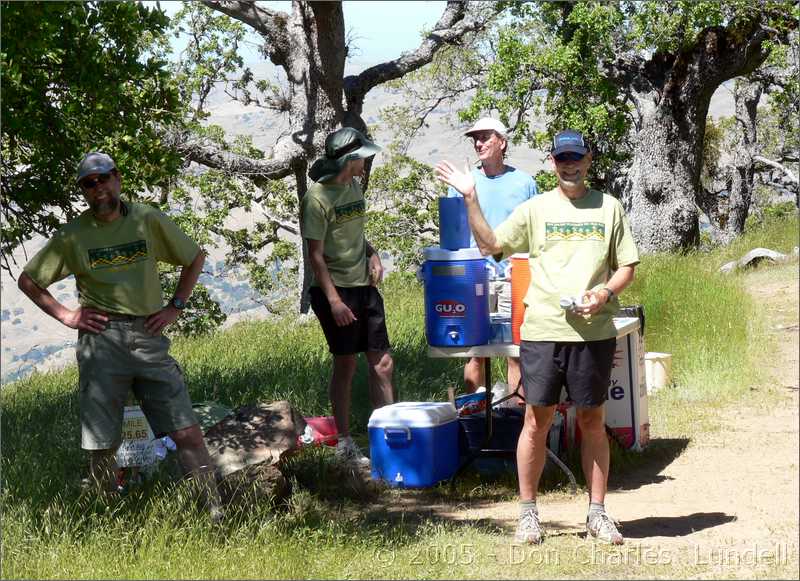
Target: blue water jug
[453, 224]
[456, 297]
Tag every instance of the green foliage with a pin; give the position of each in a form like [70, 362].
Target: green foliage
[552, 61]
[202, 314]
[211, 54]
[403, 217]
[79, 76]
[771, 216]
[555, 73]
[546, 180]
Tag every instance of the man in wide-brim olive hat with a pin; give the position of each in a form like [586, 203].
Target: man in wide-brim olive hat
[347, 270]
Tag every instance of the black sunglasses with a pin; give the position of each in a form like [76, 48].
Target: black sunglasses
[569, 156]
[89, 184]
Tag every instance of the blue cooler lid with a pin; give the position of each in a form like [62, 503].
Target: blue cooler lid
[413, 414]
[436, 253]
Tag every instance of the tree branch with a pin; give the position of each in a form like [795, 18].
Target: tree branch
[450, 28]
[271, 24]
[789, 173]
[207, 153]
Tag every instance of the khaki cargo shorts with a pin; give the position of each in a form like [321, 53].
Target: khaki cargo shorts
[126, 358]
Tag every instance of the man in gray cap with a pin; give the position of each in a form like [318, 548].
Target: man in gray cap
[501, 188]
[580, 245]
[113, 249]
[346, 272]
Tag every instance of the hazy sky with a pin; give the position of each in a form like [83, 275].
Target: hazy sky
[381, 30]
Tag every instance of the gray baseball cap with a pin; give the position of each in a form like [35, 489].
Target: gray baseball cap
[95, 162]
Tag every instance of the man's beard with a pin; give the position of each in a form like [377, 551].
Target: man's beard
[105, 207]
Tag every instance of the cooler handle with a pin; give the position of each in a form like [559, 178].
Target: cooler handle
[394, 435]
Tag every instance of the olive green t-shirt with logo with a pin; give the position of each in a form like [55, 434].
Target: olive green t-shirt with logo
[335, 214]
[115, 264]
[574, 246]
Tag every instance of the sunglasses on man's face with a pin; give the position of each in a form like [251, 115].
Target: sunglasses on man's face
[91, 183]
[568, 156]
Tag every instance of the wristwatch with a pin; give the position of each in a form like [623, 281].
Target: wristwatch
[610, 293]
[178, 303]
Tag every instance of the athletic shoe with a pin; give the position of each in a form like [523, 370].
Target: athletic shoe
[604, 528]
[529, 530]
[348, 452]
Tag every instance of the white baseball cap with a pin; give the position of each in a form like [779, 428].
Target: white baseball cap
[487, 123]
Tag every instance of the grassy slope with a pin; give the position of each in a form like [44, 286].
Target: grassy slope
[706, 320]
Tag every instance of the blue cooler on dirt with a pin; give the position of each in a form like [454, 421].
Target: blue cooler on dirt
[413, 444]
[456, 297]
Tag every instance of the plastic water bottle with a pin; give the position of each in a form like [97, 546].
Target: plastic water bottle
[398, 480]
[499, 391]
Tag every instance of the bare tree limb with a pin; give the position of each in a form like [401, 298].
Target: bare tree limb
[207, 153]
[450, 29]
[271, 24]
[789, 173]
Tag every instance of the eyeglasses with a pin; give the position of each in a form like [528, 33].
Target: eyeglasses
[89, 184]
[569, 156]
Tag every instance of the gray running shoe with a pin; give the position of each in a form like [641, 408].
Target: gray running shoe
[348, 452]
[529, 530]
[604, 528]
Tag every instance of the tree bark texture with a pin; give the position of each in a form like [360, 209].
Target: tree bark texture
[664, 189]
[746, 96]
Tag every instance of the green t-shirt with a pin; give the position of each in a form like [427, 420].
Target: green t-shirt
[574, 245]
[114, 263]
[335, 214]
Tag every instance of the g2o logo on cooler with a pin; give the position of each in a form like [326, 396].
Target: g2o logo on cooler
[449, 308]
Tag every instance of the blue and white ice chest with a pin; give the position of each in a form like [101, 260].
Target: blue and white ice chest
[413, 444]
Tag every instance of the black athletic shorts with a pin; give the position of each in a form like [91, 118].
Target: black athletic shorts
[366, 333]
[584, 368]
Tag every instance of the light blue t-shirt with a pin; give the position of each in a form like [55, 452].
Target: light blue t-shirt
[498, 196]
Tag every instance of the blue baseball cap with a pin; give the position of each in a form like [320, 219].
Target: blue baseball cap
[569, 140]
[95, 162]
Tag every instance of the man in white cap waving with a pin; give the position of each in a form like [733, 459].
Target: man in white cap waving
[501, 188]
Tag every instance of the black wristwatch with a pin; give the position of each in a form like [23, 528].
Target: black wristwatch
[610, 293]
[178, 303]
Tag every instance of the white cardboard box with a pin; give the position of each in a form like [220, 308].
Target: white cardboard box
[626, 410]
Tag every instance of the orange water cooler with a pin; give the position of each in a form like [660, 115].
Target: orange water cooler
[520, 280]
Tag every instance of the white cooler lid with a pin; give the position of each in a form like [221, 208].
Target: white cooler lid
[413, 414]
[436, 253]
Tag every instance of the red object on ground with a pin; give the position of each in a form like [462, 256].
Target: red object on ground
[325, 431]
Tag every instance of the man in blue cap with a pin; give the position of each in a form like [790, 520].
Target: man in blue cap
[113, 249]
[580, 245]
[347, 270]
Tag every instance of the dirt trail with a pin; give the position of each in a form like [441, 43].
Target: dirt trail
[727, 496]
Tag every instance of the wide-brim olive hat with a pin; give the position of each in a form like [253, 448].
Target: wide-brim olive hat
[340, 147]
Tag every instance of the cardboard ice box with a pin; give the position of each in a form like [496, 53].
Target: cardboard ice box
[413, 444]
[626, 408]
